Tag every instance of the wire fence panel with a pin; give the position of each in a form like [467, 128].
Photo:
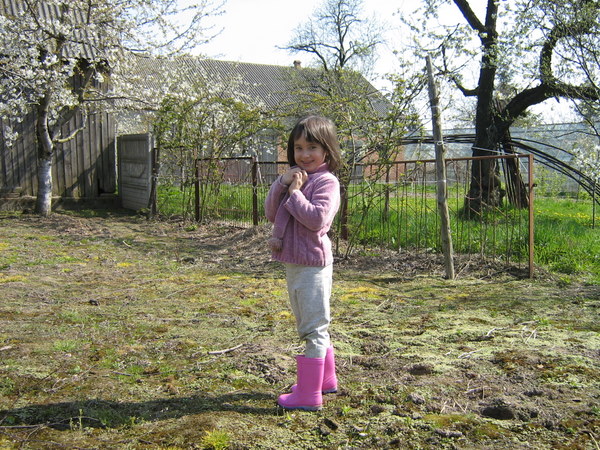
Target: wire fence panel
[225, 190]
[173, 183]
[389, 205]
[400, 211]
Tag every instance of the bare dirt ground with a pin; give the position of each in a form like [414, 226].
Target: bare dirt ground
[118, 332]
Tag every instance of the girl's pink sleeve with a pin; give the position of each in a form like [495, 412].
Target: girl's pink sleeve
[273, 200]
[320, 211]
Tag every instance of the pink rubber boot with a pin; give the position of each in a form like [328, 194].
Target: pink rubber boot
[307, 395]
[329, 376]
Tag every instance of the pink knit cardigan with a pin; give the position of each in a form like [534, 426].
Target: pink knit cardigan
[307, 217]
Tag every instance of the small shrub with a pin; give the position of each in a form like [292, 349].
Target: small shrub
[216, 440]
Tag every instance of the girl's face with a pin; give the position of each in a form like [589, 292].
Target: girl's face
[308, 155]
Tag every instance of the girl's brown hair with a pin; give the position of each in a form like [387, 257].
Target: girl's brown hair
[320, 130]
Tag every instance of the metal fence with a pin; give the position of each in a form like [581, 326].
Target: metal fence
[386, 205]
[398, 209]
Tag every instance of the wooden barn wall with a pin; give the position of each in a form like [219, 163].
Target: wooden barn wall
[84, 167]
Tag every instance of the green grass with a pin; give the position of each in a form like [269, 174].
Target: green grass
[564, 238]
[413, 222]
[175, 201]
[218, 202]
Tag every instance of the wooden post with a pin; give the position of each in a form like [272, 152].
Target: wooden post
[344, 233]
[440, 164]
[154, 170]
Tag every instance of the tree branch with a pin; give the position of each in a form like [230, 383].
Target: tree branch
[70, 136]
[533, 96]
[452, 76]
[465, 91]
[560, 31]
[550, 86]
[469, 15]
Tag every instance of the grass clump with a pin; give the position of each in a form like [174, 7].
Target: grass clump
[216, 440]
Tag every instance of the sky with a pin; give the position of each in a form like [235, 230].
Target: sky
[253, 29]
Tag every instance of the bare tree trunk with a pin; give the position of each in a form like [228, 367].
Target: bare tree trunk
[45, 148]
[484, 190]
[515, 187]
[344, 233]
[516, 190]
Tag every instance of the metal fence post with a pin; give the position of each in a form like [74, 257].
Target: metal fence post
[197, 192]
[531, 215]
[254, 191]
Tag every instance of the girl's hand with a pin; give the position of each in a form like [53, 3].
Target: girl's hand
[299, 178]
[288, 176]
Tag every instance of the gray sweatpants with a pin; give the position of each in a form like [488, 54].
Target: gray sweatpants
[309, 289]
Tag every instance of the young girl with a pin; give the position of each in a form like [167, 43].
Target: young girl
[302, 204]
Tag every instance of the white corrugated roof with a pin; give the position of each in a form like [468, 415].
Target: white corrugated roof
[14, 9]
[272, 85]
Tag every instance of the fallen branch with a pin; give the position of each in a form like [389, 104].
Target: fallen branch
[524, 328]
[593, 439]
[491, 332]
[467, 354]
[532, 334]
[227, 350]
[476, 391]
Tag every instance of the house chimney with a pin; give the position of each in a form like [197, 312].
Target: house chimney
[297, 64]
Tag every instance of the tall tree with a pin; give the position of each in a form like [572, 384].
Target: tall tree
[344, 44]
[338, 36]
[57, 54]
[548, 49]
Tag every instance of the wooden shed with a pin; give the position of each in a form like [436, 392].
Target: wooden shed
[83, 168]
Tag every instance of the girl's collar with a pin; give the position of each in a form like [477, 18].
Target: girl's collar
[322, 168]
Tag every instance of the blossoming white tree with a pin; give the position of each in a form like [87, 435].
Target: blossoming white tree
[56, 54]
[588, 160]
[206, 118]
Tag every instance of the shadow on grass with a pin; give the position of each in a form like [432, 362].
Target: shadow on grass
[98, 413]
